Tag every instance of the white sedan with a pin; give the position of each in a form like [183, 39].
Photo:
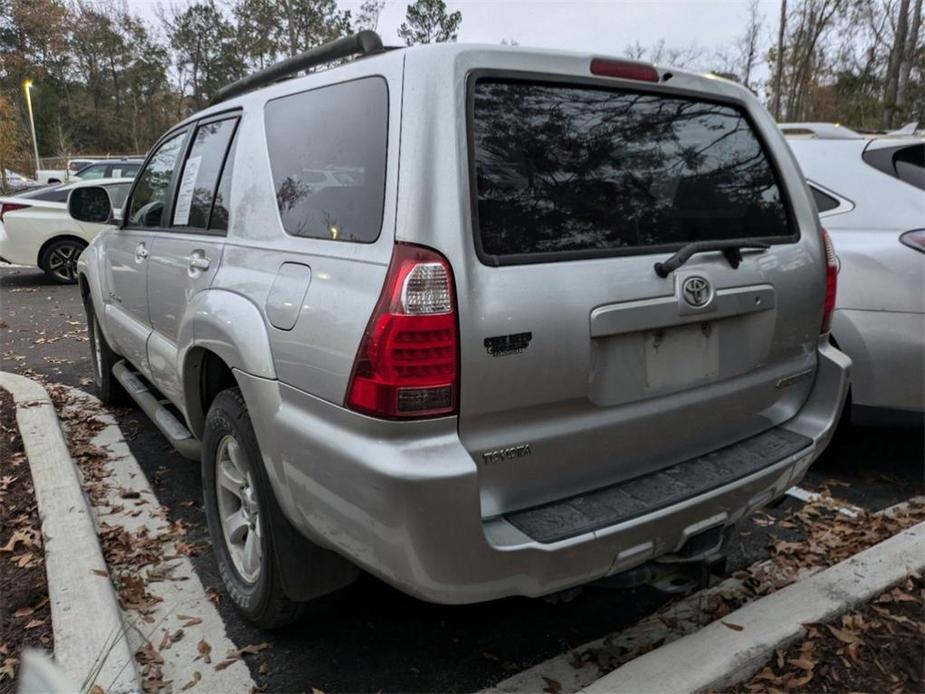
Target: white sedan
[36, 229]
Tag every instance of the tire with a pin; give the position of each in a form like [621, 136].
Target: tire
[102, 359]
[231, 458]
[59, 261]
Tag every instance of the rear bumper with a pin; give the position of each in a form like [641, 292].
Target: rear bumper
[405, 506]
[14, 251]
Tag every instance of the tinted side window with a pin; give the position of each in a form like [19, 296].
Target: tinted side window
[328, 155]
[123, 170]
[91, 172]
[824, 202]
[150, 196]
[569, 169]
[200, 174]
[910, 165]
[55, 194]
[222, 203]
[905, 162]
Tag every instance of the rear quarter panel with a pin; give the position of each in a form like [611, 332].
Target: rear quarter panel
[316, 354]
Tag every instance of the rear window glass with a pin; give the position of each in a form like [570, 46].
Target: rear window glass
[590, 171]
[56, 194]
[905, 162]
[327, 155]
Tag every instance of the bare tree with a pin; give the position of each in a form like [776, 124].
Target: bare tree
[741, 57]
[368, 14]
[750, 43]
[661, 53]
[909, 53]
[897, 58]
[779, 59]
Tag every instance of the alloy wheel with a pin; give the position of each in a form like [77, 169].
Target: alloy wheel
[62, 261]
[238, 508]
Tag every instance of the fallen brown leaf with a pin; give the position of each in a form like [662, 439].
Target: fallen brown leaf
[205, 651]
[189, 621]
[193, 682]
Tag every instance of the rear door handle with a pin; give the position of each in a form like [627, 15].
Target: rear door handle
[198, 261]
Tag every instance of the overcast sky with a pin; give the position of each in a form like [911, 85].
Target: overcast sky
[600, 26]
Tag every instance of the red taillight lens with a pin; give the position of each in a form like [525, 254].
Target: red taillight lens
[914, 239]
[831, 282]
[624, 69]
[407, 362]
[9, 207]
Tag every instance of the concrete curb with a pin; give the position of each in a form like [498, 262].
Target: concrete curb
[88, 631]
[719, 656]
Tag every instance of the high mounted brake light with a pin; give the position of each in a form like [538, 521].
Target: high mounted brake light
[407, 366]
[831, 282]
[10, 206]
[624, 69]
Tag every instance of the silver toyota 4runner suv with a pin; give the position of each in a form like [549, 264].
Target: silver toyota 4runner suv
[482, 321]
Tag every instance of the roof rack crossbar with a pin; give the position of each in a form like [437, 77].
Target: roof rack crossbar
[362, 43]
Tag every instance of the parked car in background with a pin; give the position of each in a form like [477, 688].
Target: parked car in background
[68, 169]
[62, 172]
[472, 366]
[870, 193]
[36, 228]
[16, 182]
[110, 168]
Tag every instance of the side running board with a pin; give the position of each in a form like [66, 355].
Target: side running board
[155, 407]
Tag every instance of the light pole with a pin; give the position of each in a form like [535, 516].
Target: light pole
[27, 86]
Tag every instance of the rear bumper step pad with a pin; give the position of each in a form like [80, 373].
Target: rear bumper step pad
[621, 502]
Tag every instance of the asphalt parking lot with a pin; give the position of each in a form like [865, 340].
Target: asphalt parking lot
[370, 637]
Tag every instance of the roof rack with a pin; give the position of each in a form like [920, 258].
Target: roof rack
[362, 43]
[822, 131]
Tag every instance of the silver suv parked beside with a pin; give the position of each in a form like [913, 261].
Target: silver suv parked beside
[482, 321]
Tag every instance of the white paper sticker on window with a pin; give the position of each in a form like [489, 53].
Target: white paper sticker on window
[185, 192]
[117, 173]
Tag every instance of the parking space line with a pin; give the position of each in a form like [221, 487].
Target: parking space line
[807, 496]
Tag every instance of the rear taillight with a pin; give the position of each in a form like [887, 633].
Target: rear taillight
[9, 207]
[624, 69]
[831, 282]
[407, 362]
[914, 239]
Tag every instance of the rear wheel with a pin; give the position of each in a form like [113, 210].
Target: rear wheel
[59, 261]
[102, 359]
[239, 503]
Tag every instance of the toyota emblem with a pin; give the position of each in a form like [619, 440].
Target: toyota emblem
[696, 291]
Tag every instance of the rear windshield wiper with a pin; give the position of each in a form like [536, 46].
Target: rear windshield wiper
[732, 249]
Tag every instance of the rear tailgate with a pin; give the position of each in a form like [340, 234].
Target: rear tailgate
[580, 366]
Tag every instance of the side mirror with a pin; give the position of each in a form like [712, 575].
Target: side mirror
[90, 204]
